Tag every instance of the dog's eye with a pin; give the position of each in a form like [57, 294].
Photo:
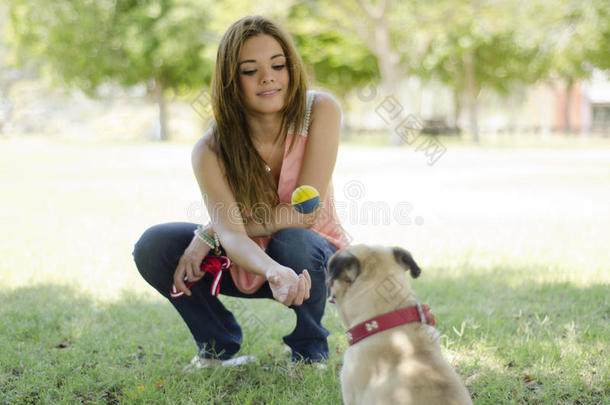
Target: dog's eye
[345, 266]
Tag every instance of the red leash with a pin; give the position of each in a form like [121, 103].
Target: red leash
[215, 265]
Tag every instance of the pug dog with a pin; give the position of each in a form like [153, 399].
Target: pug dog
[394, 356]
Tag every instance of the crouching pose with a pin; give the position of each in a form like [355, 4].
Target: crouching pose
[269, 136]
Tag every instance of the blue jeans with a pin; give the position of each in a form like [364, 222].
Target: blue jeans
[214, 328]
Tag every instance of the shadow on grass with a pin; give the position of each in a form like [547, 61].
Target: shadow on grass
[512, 342]
[515, 339]
[59, 346]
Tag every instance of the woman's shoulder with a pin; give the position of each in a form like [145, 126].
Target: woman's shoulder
[323, 101]
[203, 148]
[325, 106]
[320, 105]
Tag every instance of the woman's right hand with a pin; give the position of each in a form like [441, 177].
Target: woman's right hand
[189, 264]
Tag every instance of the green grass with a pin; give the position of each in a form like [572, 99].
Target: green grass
[513, 246]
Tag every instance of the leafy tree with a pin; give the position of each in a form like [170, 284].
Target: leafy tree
[335, 61]
[494, 44]
[599, 54]
[8, 76]
[476, 45]
[574, 35]
[468, 45]
[338, 62]
[161, 43]
[384, 29]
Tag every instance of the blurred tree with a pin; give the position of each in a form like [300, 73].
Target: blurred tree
[574, 38]
[338, 62]
[599, 54]
[468, 45]
[161, 43]
[8, 75]
[334, 61]
[481, 44]
[354, 29]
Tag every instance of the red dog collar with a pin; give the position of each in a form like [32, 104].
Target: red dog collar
[416, 313]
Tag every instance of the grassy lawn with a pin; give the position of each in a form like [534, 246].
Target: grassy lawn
[513, 243]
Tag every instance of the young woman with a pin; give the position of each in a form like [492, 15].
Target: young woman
[269, 136]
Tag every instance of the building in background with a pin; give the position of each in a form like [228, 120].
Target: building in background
[596, 104]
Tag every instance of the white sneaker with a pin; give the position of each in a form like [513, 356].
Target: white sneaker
[238, 361]
[199, 362]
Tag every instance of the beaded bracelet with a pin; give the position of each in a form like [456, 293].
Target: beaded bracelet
[207, 239]
[216, 240]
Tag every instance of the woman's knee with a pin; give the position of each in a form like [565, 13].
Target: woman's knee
[294, 236]
[158, 248]
[149, 244]
[297, 247]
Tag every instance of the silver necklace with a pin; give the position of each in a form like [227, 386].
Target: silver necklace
[267, 167]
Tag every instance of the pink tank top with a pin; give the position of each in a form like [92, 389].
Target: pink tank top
[327, 224]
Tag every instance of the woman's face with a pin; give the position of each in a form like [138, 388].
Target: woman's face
[263, 74]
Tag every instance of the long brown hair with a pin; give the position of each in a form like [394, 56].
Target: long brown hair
[231, 141]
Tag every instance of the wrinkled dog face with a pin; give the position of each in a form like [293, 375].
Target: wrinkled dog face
[355, 265]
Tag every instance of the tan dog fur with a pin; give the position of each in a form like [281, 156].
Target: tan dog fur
[398, 366]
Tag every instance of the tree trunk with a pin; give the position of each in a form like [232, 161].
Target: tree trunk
[8, 78]
[388, 60]
[388, 67]
[472, 93]
[457, 107]
[159, 94]
[567, 125]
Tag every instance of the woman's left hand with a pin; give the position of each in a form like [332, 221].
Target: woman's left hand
[288, 287]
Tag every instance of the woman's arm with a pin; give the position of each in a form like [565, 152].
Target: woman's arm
[224, 211]
[227, 222]
[318, 165]
[280, 217]
[322, 144]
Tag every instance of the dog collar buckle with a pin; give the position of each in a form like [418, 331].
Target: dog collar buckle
[371, 326]
[420, 311]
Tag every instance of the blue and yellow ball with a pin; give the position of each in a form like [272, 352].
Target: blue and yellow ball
[305, 199]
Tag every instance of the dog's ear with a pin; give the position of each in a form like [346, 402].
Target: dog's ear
[405, 259]
[343, 266]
